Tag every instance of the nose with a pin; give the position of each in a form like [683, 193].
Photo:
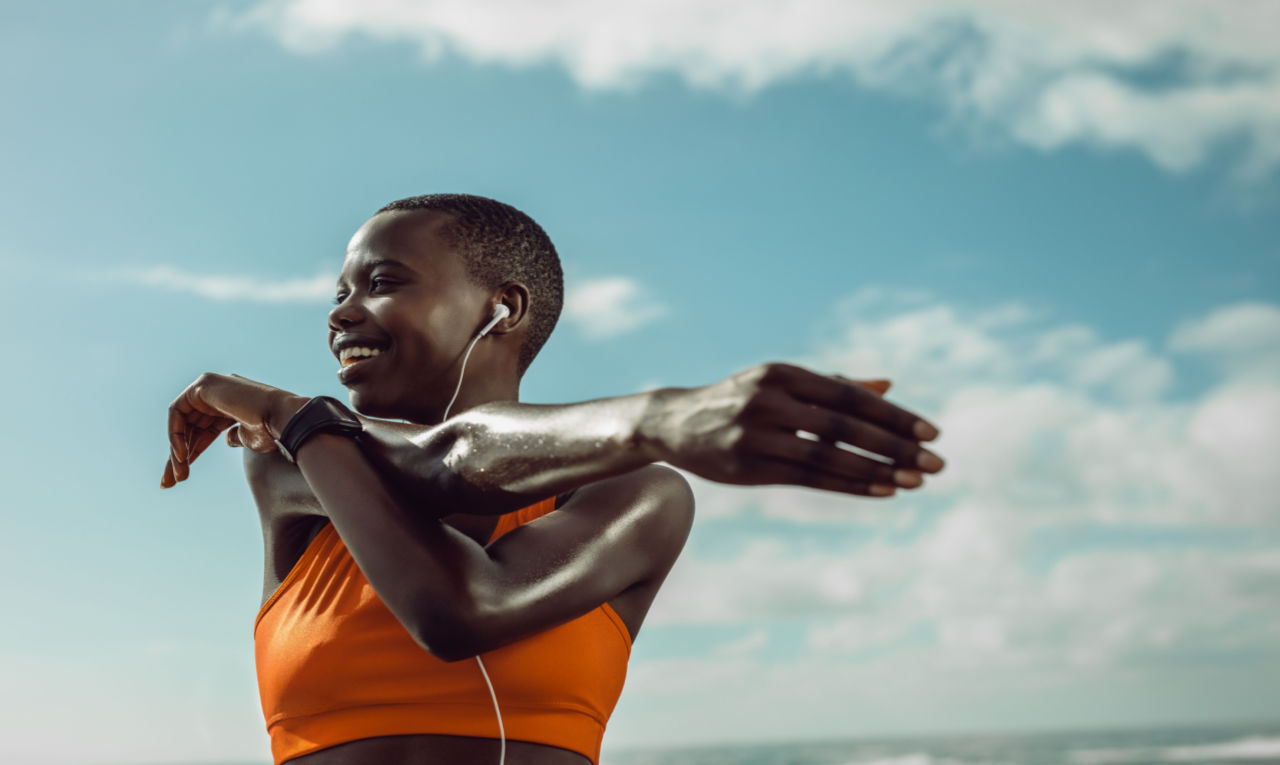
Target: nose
[345, 314]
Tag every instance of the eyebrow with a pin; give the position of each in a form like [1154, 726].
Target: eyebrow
[378, 262]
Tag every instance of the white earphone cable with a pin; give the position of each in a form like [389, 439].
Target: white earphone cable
[502, 751]
[461, 372]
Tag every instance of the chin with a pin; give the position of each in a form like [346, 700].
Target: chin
[367, 402]
[377, 404]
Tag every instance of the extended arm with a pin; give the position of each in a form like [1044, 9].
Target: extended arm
[501, 456]
[498, 457]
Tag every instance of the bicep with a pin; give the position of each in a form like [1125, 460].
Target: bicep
[611, 535]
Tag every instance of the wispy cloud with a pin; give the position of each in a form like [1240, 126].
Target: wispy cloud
[1172, 79]
[254, 289]
[608, 307]
[1244, 338]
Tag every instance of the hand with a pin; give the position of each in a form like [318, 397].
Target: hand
[742, 430]
[216, 402]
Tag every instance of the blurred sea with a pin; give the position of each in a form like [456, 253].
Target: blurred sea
[1239, 744]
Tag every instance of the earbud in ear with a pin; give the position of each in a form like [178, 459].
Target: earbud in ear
[500, 312]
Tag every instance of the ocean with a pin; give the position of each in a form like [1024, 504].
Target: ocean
[1190, 745]
[1235, 744]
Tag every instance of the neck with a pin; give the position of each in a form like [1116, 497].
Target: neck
[483, 390]
[487, 378]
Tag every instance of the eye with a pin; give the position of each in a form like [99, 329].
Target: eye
[340, 297]
[377, 280]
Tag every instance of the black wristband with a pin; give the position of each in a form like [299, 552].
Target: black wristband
[322, 414]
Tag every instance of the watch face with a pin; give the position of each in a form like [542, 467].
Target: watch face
[340, 412]
[322, 414]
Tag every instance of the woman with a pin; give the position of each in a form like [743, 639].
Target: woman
[465, 587]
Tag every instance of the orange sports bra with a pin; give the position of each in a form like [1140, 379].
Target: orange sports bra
[335, 665]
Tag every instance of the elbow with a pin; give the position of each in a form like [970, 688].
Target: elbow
[449, 646]
[446, 636]
[472, 628]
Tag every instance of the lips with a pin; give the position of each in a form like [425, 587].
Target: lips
[358, 367]
[356, 353]
[353, 354]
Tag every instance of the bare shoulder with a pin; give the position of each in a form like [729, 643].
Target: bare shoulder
[655, 493]
[652, 505]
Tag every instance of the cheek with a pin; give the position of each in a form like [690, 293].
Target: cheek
[441, 327]
[425, 337]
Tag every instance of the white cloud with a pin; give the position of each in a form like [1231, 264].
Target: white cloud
[232, 287]
[1244, 339]
[1044, 74]
[1061, 421]
[605, 308]
[765, 580]
[1176, 129]
[750, 644]
[1032, 552]
[974, 639]
[1040, 445]
[855, 635]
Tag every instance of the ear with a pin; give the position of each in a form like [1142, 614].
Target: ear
[515, 296]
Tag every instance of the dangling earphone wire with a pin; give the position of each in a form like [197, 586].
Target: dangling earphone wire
[500, 312]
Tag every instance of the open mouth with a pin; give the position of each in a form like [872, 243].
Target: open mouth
[358, 355]
[355, 360]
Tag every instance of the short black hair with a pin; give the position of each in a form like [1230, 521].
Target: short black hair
[500, 244]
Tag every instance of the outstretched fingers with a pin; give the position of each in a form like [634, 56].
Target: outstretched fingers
[833, 410]
[832, 427]
[786, 458]
[853, 400]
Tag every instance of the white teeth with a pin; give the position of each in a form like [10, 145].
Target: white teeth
[356, 352]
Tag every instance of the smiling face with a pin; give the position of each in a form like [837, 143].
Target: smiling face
[404, 293]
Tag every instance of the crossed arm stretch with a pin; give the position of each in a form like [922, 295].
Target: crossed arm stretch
[385, 497]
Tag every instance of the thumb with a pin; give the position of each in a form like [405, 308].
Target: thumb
[233, 436]
[878, 385]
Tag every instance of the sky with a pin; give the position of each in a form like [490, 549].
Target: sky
[1054, 226]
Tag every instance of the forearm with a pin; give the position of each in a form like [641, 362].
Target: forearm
[421, 568]
[410, 460]
[504, 455]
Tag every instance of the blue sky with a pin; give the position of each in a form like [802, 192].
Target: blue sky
[1055, 229]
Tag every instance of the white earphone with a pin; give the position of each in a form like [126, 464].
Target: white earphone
[500, 312]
